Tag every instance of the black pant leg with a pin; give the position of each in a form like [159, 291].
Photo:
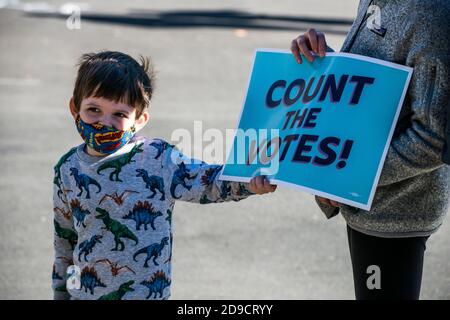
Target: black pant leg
[398, 262]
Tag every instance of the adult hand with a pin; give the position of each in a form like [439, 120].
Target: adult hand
[308, 43]
[328, 202]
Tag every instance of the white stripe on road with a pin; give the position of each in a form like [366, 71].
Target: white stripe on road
[43, 7]
[19, 82]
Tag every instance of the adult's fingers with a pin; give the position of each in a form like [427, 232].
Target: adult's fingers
[334, 203]
[312, 37]
[303, 46]
[295, 51]
[328, 202]
[322, 44]
[324, 200]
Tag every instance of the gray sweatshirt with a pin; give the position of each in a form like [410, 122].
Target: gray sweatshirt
[412, 197]
[113, 218]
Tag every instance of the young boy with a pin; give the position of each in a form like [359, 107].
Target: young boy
[114, 194]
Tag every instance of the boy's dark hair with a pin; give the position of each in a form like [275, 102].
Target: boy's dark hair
[114, 76]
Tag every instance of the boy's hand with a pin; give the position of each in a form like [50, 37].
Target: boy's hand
[328, 201]
[261, 185]
[311, 40]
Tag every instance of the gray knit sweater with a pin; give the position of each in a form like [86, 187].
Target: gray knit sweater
[412, 197]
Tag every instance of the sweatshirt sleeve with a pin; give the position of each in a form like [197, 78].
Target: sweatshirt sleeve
[196, 181]
[446, 152]
[419, 148]
[65, 239]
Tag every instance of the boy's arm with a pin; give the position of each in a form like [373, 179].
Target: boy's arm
[201, 183]
[65, 238]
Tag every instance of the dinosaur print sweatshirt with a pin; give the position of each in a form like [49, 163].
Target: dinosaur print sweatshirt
[112, 217]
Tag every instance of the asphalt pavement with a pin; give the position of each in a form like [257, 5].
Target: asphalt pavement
[277, 246]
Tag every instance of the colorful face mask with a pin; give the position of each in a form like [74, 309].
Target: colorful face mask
[103, 139]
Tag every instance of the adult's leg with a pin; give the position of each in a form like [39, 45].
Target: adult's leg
[386, 268]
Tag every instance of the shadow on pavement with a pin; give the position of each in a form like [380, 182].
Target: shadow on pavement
[212, 19]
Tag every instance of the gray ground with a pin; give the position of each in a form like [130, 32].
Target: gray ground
[268, 247]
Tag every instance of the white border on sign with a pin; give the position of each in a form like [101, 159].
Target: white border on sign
[365, 206]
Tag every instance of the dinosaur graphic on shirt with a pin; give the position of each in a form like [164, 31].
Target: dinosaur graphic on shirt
[118, 229]
[114, 266]
[78, 212]
[210, 175]
[243, 191]
[204, 199]
[169, 216]
[66, 213]
[57, 169]
[171, 246]
[160, 146]
[87, 246]
[89, 280]
[225, 189]
[156, 284]
[152, 251]
[61, 288]
[83, 181]
[67, 234]
[143, 213]
[55, 275]
[153, 183]
[118, 199]
[118, 294]
[178, 178]
[118, 163]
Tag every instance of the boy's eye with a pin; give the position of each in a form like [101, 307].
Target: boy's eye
[121, 115]
[93, 110]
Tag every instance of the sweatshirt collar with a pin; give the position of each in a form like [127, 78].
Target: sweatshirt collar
[87, 158]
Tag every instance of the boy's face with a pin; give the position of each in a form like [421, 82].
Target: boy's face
[114, 114]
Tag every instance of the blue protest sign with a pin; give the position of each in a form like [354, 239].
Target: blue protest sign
[322, 127]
